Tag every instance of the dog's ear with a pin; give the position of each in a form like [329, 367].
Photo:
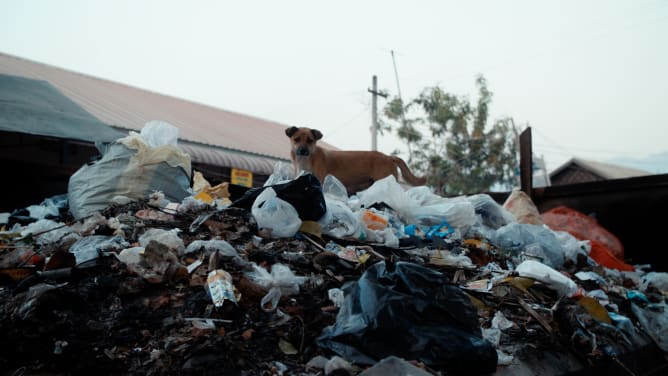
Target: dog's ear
[290, 131]
[316, 133]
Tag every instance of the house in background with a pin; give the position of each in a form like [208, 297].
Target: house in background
[577, 170]
[50, 130]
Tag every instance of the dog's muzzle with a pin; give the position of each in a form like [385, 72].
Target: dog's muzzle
[303, 151]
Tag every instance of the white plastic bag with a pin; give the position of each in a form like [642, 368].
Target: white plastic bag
[275, 214]
[388, 191]
[550, 277]
[339, 221]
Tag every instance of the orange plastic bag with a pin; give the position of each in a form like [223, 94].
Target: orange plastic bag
[583, 227]
[604, 257]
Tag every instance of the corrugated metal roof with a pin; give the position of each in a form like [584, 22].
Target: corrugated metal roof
[217, 157]
[129, 107]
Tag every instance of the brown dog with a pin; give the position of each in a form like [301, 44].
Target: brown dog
[357, 170]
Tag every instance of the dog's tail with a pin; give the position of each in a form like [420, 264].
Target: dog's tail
[407, 174]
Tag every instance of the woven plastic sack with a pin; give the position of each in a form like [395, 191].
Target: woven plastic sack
[520, 205]
[583, 227]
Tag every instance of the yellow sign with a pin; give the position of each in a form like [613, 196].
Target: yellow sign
[242, 177]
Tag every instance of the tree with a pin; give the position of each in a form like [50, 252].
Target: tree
[447, 140]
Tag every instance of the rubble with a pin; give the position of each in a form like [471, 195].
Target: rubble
[209, 285]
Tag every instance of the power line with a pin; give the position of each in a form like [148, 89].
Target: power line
[396, 77]
[348, 122]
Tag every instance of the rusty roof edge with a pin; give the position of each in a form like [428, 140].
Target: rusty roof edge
[213, 146]
[235, 151]
[225, 157]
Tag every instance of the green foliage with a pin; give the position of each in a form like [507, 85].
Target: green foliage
[448, 139]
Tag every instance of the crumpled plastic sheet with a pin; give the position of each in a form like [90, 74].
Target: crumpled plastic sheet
[412, 312]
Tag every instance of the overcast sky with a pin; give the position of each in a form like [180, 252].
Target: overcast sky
[589, 77]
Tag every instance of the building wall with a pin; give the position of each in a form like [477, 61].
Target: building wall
[574, 174]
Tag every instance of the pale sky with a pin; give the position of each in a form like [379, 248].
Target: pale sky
[589, 77]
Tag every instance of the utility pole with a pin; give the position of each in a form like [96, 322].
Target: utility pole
[374, 111]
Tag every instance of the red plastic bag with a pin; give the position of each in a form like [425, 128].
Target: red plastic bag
[583, 227]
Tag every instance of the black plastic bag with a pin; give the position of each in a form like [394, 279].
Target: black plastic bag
[412, 312]
[304, 193]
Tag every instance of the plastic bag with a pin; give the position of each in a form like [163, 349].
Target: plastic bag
[519, 204]
[224, 250]
[457, 212]
[535, 241]
[550, 277]
[211, 246]
[582, 227]
[388, 191]
[275, 214]
[333, 189]
[412, 312]
[90, 247]
[49, 231]
[303, 193]
[129, 167]
[657, 279]
[49, 208]
[283, 173]
[654, 320]
[491, 213]
[340, 222]
[168, 238]
[281, 281]
[156, 133]
[423, 195]
[602, 255]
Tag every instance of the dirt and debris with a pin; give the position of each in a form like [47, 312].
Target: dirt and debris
[141, 289]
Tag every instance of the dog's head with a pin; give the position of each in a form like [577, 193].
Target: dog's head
[303, 140]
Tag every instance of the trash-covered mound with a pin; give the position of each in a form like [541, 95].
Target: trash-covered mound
[295, 278]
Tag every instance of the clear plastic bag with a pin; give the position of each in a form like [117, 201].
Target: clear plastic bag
[458, 212]
[90, 247]
[281, 281]
[491, 214]
[531, 240]
[168, 238]
[157, 133]
[332, 188]
[654, 320]
[283, 172]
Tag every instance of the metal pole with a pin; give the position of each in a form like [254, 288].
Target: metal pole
[526, 170]
[374, 113]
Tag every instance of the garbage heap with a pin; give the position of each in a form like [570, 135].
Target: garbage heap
[299, 278]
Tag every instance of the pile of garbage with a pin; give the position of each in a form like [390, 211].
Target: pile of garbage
[299, 278]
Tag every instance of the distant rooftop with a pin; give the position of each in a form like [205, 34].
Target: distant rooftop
[578, 170]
